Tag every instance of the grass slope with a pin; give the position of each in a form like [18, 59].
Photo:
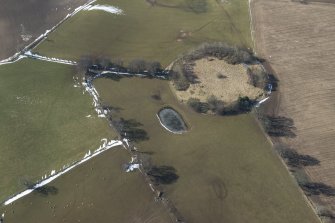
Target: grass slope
[98, 191]
[148, 32]
[43, 123]
[227, 169]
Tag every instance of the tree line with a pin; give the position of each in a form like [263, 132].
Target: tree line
[91, 65]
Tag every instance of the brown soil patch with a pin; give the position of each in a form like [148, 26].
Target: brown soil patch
[21, 22]
[233, 83]
[298, 41]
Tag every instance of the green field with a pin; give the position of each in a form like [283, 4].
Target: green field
[43, 122]
[227, 170]
[98, 191]
[148, 32]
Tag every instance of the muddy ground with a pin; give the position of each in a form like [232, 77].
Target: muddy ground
[21, 22]
[297, 40]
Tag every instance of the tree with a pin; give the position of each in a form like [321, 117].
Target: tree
[245, 104]
[215, 105]
[137, 66]
[153, 67]
[84, 63]
[180, 82]
[197, 105]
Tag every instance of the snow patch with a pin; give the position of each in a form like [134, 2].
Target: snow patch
[132, 167]
[95, 95]
[106, 8]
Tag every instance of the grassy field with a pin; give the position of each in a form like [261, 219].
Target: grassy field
[98, 191]
[43, 123]
[149, 32]
[226, 167]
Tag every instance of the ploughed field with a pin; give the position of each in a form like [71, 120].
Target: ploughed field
[98, 191]
[21, 22]
[43, 122]
[221, 170]
[151, 30]
[298, 41]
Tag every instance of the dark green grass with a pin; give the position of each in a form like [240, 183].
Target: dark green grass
[43, 123]
[227, 170]
[148, 32]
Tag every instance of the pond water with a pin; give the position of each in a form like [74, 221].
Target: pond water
[171, 120]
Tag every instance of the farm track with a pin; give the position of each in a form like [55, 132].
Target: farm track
[298, 42]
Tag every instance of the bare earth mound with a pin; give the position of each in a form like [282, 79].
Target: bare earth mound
[225, 81]
[298, 41]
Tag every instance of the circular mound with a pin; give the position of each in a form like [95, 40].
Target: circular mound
[171, 120]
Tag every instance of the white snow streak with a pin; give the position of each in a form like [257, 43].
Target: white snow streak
[105, 146]
[50, 59]
[261, 102]
[93, 92]
[106, 8]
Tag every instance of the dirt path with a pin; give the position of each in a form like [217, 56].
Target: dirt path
[297, 40]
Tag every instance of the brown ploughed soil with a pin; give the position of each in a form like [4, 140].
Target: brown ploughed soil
[298, 41]
[21, 22]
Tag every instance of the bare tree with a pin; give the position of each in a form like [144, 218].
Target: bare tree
[153, 67]
[137, 66]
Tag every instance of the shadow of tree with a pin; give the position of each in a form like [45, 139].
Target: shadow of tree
[163, 174]
[130, 129]
[294, 159]
[312, 188]
[279, 126]
[46, 190]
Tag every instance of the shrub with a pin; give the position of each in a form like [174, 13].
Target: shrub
[245, 104]
[230, 54]
[198, 6]
[137, 66]
[180, 82]
[215, 105]
[258, 78]
[221, 76]
[197, 105]
[153, 67]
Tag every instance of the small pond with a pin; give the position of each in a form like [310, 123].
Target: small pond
[171, 120]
